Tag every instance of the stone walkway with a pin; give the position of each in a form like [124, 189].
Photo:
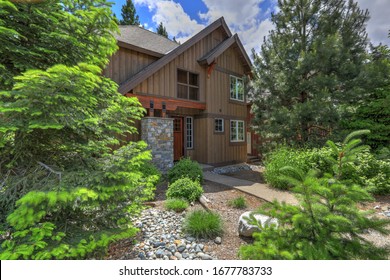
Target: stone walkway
[260, 190]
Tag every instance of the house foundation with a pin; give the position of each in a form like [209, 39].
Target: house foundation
[158, 134]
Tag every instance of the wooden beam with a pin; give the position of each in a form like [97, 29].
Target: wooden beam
[171, 103]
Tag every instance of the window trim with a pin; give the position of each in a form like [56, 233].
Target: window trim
[191, 135]
[236, 91]
[223, 125]
[187, 85]
[237, 140]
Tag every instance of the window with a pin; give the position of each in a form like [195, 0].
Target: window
[236, 88]
[190, 132]
[187, 85]
[218, 125]
[237, 131]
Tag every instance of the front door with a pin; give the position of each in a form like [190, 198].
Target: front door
[178, 132]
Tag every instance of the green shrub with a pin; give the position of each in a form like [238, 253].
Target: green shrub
[203, 224]
[186, 168]
[238, 203]
[369, 172]
[185, 188]
[176, 204]
[303, 159]
[327, 223]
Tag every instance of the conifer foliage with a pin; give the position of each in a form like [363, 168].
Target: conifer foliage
[162, 30]
[306, 72]
[327, 223]
[64, 192]
[129, 14]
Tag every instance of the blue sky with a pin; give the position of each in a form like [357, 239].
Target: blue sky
[249, 18]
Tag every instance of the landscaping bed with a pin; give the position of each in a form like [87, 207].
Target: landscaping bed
[219, 197]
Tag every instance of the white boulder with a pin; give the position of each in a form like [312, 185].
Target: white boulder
[245, 228]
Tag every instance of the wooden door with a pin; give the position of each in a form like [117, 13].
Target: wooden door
[178, 137]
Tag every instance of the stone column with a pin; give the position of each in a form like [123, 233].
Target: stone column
[158, 134]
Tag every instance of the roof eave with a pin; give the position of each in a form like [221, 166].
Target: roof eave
[139, 49]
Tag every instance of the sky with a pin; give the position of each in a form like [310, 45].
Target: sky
[250, 19]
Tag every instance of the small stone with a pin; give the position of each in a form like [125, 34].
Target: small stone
[206, 257]
[377, 207]
[197, 249]
[185, 256]
[141, 256]
[172, 258]
[218, 240]
[190, 239]
[178, 256]
[181, 248]
[387, 213]
[172, 248]
[201, 246]
[159, 253]
[158, 244]
[165, 258]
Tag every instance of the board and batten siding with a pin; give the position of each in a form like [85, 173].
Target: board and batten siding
[125, 63]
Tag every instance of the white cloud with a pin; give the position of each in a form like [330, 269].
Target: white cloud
[177, 22]
[379, 24]
[241, 16]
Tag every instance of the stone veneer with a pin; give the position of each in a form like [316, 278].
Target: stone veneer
[158, 134]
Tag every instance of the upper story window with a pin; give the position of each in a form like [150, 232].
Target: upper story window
[236, 88]
[187, 85]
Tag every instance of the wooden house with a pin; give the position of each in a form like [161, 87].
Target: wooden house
[199, 84]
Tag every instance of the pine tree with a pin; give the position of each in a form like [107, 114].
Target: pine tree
[327, 223]
[129, 14]
[306, 71]
[162, 30]
[64, 191]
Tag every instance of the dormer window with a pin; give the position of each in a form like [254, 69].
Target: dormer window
[236, 89]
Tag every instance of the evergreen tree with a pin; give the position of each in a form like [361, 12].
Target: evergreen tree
[162, 30]
[373, 110]
[64, 192]
[307, 69]
[327, 223]
[129, 14]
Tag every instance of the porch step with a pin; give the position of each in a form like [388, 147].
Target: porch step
[253, 160]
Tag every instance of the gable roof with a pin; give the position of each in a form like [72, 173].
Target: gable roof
[209, 58]
[145, 73]
[142, 40]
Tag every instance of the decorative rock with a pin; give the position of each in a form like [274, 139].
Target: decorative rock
[142, 256]
[178, 256]
[387, 214]
[158, 244]
[181, 248]
[246, 229]
[159, 253]
[218, 240]
[172, 248]
[378, 207]
[197, 249]
[185, 256]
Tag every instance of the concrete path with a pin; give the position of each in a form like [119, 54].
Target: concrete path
[260, 190]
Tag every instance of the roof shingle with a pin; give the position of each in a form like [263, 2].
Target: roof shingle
[145, 39]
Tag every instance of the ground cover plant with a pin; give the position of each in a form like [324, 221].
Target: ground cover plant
[327, 223]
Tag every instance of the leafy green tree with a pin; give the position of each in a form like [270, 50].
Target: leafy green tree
[129, 14]
[307, 69]
[64, 192]
[162, 30]
[327, 223]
